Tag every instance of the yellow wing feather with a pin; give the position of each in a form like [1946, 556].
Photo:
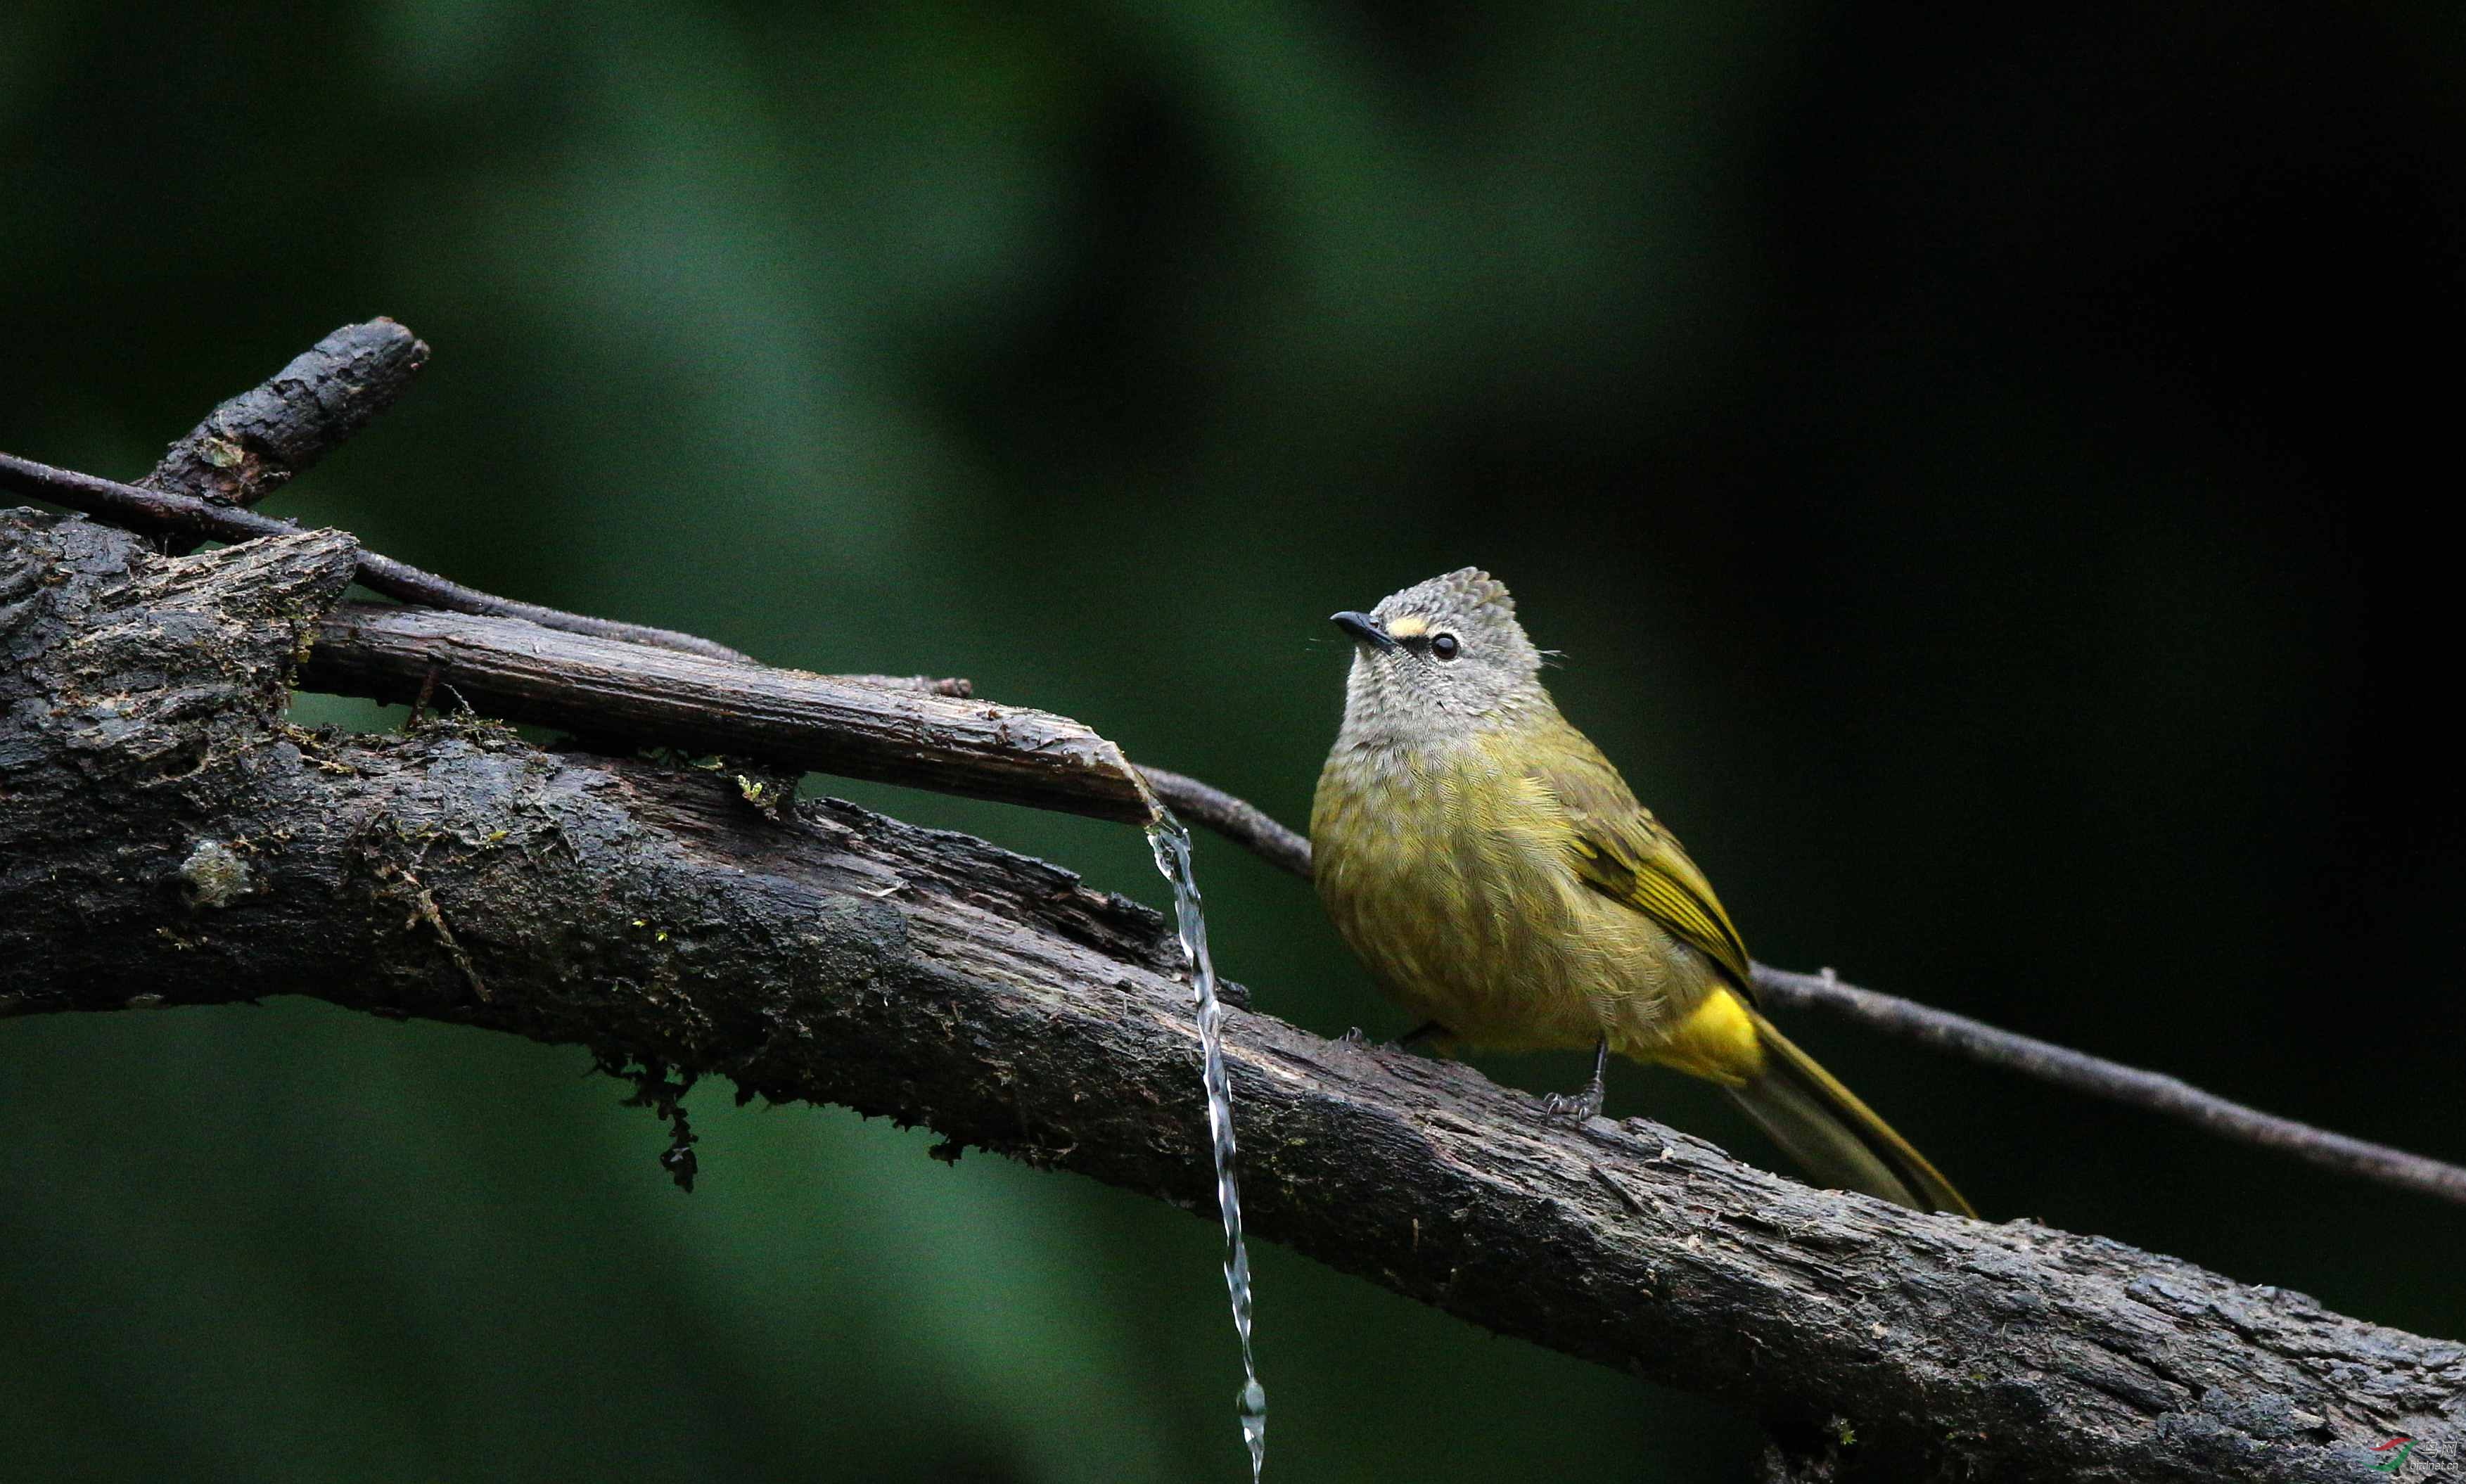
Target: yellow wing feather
[1622, 852]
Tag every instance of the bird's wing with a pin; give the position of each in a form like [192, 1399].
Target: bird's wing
[1622, 852]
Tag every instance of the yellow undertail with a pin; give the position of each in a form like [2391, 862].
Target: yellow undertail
[1820, 1123]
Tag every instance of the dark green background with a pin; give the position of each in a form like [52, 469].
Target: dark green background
[1984, 471]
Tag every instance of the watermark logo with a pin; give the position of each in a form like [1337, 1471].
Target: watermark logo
[2403, 1445]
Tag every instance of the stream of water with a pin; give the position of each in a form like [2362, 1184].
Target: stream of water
[1171, 843]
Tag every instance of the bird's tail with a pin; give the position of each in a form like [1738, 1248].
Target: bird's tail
[1836, 1137]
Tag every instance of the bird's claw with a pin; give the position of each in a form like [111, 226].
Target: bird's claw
[1574, 1106]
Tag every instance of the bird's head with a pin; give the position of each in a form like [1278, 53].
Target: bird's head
[1440, 658]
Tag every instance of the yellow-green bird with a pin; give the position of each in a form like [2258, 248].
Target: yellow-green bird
[1504, 886]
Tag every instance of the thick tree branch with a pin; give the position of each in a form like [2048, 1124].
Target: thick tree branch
[367, 653]
[778, 933]
[602, 688]
[327, 394]
[166, 838]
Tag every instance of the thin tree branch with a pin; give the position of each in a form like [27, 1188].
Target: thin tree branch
[184, 515]
[1237, 821]
[166, 838]
[2078, 1071]
[2155, 1091]
[1244, 823]
[259, 441]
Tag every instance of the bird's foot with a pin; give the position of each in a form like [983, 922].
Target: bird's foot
[1575, 1107]
[1352, 1040]
[1585, 1106]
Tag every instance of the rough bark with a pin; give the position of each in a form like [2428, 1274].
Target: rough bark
[179, 521]
[867, 728]
[255, 444]
[165, 840]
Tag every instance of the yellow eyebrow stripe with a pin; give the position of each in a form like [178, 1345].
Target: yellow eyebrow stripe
[1407, 627]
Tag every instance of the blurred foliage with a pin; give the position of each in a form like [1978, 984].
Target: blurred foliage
[1976, 464]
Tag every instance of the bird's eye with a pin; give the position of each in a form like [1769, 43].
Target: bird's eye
[1444, 645]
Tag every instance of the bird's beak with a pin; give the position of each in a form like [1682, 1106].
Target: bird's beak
[1363, 628]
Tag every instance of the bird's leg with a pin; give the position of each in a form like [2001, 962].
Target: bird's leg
[1584, 1106]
